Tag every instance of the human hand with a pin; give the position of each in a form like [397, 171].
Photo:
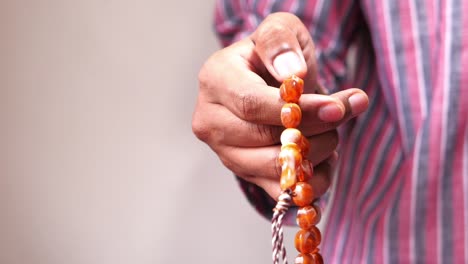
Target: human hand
[238, 108]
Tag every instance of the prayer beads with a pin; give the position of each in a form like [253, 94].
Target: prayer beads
[291, 115]
[306, 241]
[314, 258]
[303, 194]
[297, 171]
[308, 216]
[291, 89]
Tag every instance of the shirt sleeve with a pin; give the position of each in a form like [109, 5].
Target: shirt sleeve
[332, 25]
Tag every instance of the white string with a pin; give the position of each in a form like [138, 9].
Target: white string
[279, 250]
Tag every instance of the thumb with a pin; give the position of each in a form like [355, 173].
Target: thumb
[285, 47]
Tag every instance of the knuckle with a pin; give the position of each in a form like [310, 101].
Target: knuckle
[267, 134]
[231, 165]
[277, 168]
[247, 103]
[278, 23]
[208, 73]
[200, 128]
[267, 33]
[282, 18]
[273, 27]
[226, 162]
[204, 75]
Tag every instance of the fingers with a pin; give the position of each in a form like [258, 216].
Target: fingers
[263, 161]
[352, 102]
[218, 126]
[285, 47]
[322, 146]
[231, 78]
[320, 181]
[238, 108]
[262, 104]
[322, 177]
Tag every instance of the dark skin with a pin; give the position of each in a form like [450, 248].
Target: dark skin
[238, 106]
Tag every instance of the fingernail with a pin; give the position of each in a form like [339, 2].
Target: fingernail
[287, 64]
[358, 103]
[331, 112]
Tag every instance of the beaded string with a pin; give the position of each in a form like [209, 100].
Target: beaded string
[296, 170]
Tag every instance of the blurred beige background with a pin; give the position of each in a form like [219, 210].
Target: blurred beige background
[98, 163]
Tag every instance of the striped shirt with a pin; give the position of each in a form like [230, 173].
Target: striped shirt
[400, 194]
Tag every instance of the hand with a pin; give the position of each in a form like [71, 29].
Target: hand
[238, 108]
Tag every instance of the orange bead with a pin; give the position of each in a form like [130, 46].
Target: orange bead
[291, 135]
[291, 145]
[299, 173]
[304, 259]
[317, 235]
[306, 241]
[290, 155]
[291, 89]
[307, 170]
[305, 146]
[308, 216]
[303, 194]
[291, 115]
[288, 178]
[317, 258]
[290, 160]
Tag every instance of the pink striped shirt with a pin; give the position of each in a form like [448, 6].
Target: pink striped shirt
[401, 190]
